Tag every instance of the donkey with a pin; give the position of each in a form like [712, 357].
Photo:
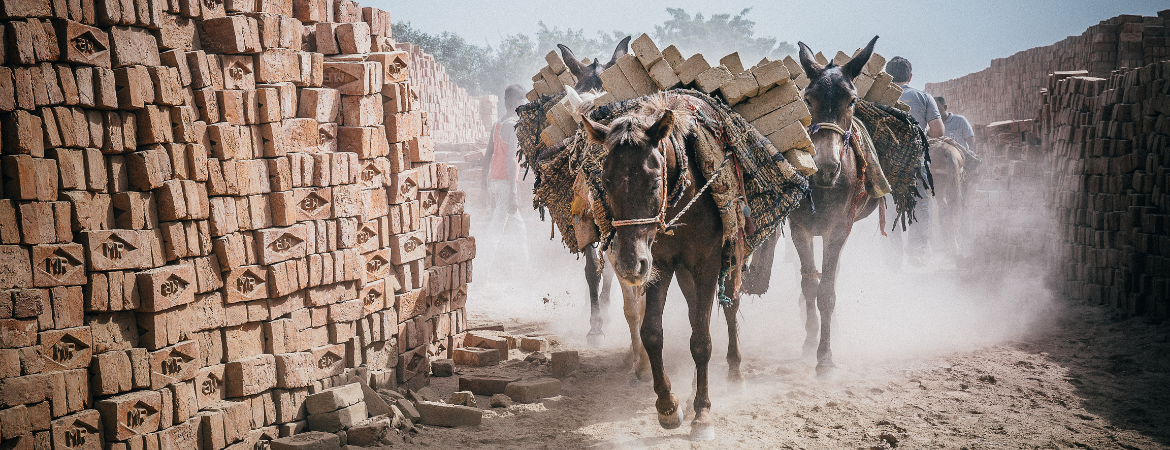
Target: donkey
[838, 194]
[948, 170]
[600, 283]
[637, 174]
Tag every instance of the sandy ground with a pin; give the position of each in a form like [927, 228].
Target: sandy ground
[927, 359]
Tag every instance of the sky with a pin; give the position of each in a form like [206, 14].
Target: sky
[942, 39]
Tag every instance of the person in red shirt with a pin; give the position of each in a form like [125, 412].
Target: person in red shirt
[503, 177]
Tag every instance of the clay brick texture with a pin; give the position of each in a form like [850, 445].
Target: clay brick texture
[201, 221]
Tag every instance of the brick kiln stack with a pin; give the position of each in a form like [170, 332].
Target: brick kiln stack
[209, 210]
[1109, 140]
[1010, 88]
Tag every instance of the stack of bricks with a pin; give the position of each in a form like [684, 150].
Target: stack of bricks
[210, 210]
[768, 95]
[454, 117]
[1109, 140]
[1010, 88]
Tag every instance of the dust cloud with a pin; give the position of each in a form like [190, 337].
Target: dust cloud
[884, 313]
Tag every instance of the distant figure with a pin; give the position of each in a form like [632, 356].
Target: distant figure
[925, 111]
[503, 176]
[958, 128]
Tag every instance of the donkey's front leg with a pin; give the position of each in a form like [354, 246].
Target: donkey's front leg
[699, 305]
[667, 404]
[809, 283]
[827, 300]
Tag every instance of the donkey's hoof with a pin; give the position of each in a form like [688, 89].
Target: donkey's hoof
[673, 418]
[595, 340]
[702, 431]
[826, 371]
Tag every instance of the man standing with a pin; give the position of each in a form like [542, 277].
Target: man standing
[924, 110]
[502, 176]
[959, 129]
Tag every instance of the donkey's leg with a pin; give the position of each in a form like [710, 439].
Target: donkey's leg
[667, 404]
[731, 316]
[699, 303]
[809, 283]
[827, 299]
[593, 274]
[634, 307]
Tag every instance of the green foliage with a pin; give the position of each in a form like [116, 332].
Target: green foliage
[488, 70]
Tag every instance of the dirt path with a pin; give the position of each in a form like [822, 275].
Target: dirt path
[927, 360]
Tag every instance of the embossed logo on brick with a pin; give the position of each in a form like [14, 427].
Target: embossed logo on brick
[335, 78]
[116, 248]
[447, 252]
[370, 172]
[372, 296]
[324, 136]
[78, 433]
[365, 234]
[87, 44]
[326, 361]
[238, 71]
[173, 286]
[249, 282]
[412, 244]
[139, 415]
[376, 264]
[312, 203]
[211, 386]
[67, 349]
[285, 243]
[59, 264]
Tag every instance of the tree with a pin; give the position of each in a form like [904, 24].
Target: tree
[719, 35]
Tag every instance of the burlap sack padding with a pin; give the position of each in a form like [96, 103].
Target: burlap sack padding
[771, 192]
[902, 151]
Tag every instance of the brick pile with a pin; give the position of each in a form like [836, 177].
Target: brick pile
[209, 210]
[768, 95]
[1109, 140]
[454, 116]
[1010, 88]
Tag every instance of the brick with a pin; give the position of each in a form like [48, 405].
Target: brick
[112, 331]
[330, 360]
[485, 384]
[334, 399]
[181, 436]
[15, 267]
[487, 341]
[475, 356]
[334, 421]
[58, 265]
[81, 431]
[129, 415]
[66, 349]
[352, 78]
[312, 440]
[120, 249]
[243, 341]
[133, 46]
[246, 284]
[530, 391]
[320, 104]
[16, 333]
[109, 373]
[250, 376]
[139, 368]
[173, 364]
[166, 287]
[230, 35]
[444, 415]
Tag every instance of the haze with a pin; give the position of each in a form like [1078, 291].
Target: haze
[943, 40]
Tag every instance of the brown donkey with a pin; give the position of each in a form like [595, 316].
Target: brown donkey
[838, 194]
[636, 175]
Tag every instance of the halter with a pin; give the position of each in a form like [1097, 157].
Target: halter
[847, 135]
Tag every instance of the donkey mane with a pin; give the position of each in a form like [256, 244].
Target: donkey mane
[631, 129]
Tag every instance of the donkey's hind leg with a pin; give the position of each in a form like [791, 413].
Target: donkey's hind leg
[598, 301]
[809, 284]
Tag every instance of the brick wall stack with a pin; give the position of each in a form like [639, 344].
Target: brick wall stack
[209, 210]
[1109, 140]
[1010, 88]
[454, 117]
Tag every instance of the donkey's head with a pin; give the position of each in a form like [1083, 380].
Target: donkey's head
[634, 177]
[589, 77]
[831, 97]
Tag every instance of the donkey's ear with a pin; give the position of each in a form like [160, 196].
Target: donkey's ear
[622, 49]
[571, 61]
[595, 131]
[811, 67]
[662, 128]
[853, 68]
